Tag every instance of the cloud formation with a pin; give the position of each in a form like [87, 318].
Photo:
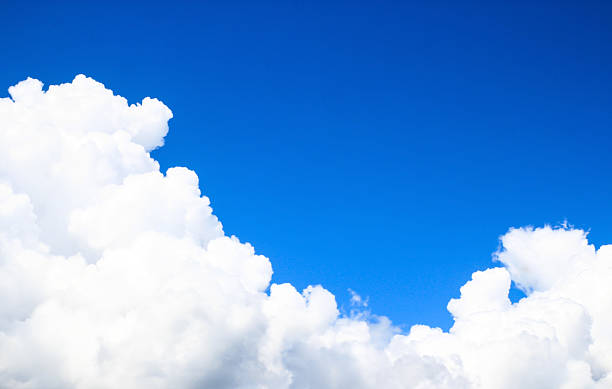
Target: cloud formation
[115, 275]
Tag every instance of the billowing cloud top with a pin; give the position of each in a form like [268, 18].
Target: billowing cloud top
[114, 275]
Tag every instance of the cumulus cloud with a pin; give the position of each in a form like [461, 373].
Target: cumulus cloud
[116, 275]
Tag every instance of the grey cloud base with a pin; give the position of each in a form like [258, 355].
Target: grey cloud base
[114, 275]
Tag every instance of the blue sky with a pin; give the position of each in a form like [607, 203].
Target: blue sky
[378, 147]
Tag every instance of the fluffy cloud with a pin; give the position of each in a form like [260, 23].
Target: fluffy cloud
[116, 275]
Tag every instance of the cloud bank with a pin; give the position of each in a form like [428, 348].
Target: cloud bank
[115, 275]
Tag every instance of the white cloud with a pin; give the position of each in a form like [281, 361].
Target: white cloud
[114, 275]
[357, 300]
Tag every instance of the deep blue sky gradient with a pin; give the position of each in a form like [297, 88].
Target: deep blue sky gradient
[378, 146]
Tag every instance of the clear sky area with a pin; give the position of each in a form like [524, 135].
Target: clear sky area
[381, 147]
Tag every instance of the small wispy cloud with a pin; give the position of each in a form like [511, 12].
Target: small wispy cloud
[357, 300]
